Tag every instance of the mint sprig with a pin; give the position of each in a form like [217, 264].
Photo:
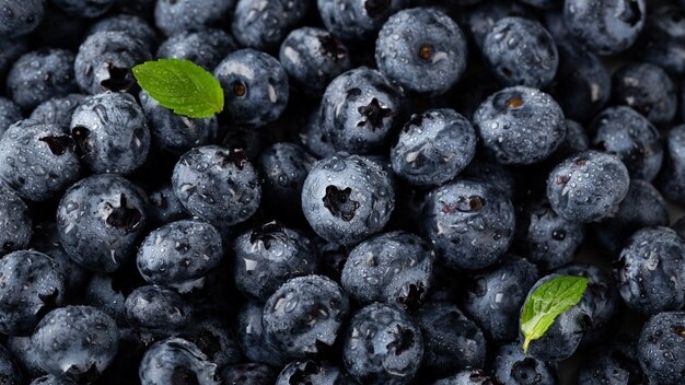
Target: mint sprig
[547, 302]
[181, 86]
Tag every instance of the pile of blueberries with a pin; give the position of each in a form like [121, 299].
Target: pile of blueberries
[388, 182]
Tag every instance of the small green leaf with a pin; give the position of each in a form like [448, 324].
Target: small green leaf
[181, 86]
[547, 302]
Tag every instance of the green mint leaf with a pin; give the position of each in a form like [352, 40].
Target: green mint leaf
[547, 302]
[181, 86]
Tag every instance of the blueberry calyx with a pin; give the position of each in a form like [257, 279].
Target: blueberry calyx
[119, 79]
[373, 113]
[123, 217]
[338, 202]
[332, 47]
[267, 233]
[376, 8]
[59, 145]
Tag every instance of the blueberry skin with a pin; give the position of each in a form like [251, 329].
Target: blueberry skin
[521, 52]
[20, 17]
[34, 284]
[9, 114]
[650, 271]
[175, 359]
[40, 75]
[10, 51]
[263, 25]
[50, 379]
[479, 20]
[588, 187]
[175, 133]
[15, 221]
[313, 372]
[469, 223]
[248, 374]
[359, 110]
[495, 295]
[312, 57]
[217, 184]
[205, 48]
[513, 367]
[423, 50]
[347, 198]
[663, 40]
[608, 366]
[284, 167]
[157, 309]
[671, 179]
[314, 138]
[357, 19]
[104, 61]
[661, 345]
[174, 16]
[164, 207]
[52, 156]
[394, 268]
[305, 315]
[58, 110]
[107, 293]
[576, 141]
[257, 96]
[179, 252]
[89, 9]
[383, 346]
[564, 336]
[100, 219]
[111, 132]
[76, 342]
[252, 337]
[467, 377]
[629, 135]
[490, 172]
[452, 342]
[214, 338]
[643, 207]
[133, 25]
[25, 356]
[647, 89]
[601, 300]
[269, 255]
[433, 147]
[520, 125]
[606, 26]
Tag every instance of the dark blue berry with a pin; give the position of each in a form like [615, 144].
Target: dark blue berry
[357, 19]
[263, 25]
[248, 374]
[671, 180]
[58, 110]
[647, 89]
[177, 361]
[205, 48]
[512, 367]
[175, 16]
[252, 337]
[84, 8]
[313, 372]
[20, 17]
[15, 221]
[157, 309]
[661, 347]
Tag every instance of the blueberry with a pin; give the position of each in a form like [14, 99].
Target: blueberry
[214, 338]
[383, 346]
[20, 17]
[52, 154]
[671, 180]
[312, 57]
[643, 207]
[176, 361]
[108, 293]
[359, 110]
[179, 252]
[84, 8]
[609, 367]
[50, 379]
[164, 206]
[304, 315]
[9, 114]
[521, 52]
[663, 41]
[58, 110]
[40, 75]
[346, 198]
[564, 335]
[205, 48]
[480, 19]
[661, 345]
[494, 296]
[263, 25]
[647, 89]
[452, 342]
[104, 61]
[133, 25]
[269, 255]
[588, 187]
[357, 19]
[313, 372]
[650, 271]
[248, 374]
[34, 284]
[252, 337]
[314, 138]
[77, 342]
[490, 172]
[606, 26]
[24, 354]
[217, 184]
[284, 167]
[423, 50]
[174, 16]
[576, 141]
[255, 97]
[513, 367]
[467, 377]
[174, 133]
[469, 223]
[433, 147]
[157, 309]
[99, 219]
[15, 221]
[111, 132]
[394, 268]
[10, 51]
